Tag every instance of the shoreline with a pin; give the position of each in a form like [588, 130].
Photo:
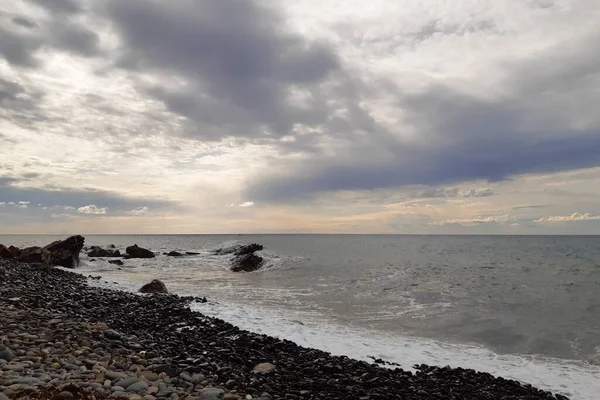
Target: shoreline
[159, 334]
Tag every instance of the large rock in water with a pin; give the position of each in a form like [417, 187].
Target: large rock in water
[248, 249]
[100, 252]
[64, 253]
[246, 263]
[139, 252]
[155, 286]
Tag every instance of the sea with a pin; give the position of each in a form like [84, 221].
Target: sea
[522, 307]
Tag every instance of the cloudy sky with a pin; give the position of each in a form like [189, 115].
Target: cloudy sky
[238, 116]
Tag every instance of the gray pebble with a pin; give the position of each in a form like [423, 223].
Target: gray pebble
[5, 353]
[127, 382]
[113, 375]
[138, 386]
[211, 394]
[64, 396]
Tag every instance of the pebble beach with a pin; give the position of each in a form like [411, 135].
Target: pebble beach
[63, 339]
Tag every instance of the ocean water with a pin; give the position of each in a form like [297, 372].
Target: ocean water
[523, 307]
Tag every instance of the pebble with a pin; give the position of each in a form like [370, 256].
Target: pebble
[137, 387]
[6, 354]
[211, 394]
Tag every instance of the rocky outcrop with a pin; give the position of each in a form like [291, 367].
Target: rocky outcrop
[100, 252]
[174, 254]
[115, 262]
[248, 249]
[64, 253]
[246, 263]
[14, 251]
[9, 252]
[241, 249]
[139, 252]
[155, 286]
[5, 252]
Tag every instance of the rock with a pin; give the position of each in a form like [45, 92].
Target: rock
[64, 253]
[137, 387]
[248, 249]
[64, 396]
[263, 368]
[116, 262]
[30, 255]
[112, 335]
[167, 369]
[5, 353]
[3, 396]
[191, 253]
[139, 252]
[14, 251]
[100, 252]
[211, 393]
[149, 376]
[5, 252]
[174, 254]
[155, 286]
[246, 263]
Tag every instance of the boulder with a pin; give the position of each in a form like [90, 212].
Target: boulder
[246, 263]
[116, 262]
[64, 253]
[30, 255]
[5, 252]
[155, 286]
[139, 252]
[248, 249]
[100, 252]
[175, 254]
[14, 251]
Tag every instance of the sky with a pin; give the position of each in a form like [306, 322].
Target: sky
[251, 116]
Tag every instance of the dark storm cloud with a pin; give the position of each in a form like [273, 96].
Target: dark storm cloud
[238, 59]
[22, 38]
[547, 124]
[50, 197]
[18, 49]
[24, 22]
[75, 38]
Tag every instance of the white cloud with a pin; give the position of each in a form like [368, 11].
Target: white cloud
[138, 211]
[92, 209]
[568, 218]
[244, 204]
[493, 219]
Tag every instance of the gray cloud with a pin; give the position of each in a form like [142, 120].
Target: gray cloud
[60, 6]
[240, 63]
[433, 192]
[18, 49]
[534, 129]
[24, 22]
[65, 197]
[21, 38]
